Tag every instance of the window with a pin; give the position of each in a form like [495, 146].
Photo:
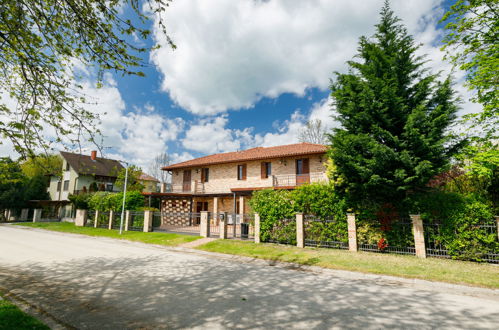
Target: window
[109, 187]
[302, 166]
[59, 186]
[241, 172]
[205, 175]
[266, 170]
[66, 185]
[67, 166]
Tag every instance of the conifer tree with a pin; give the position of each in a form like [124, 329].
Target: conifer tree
[395, 118]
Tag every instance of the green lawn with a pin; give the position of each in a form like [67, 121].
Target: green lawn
[168, 239]
[452, 271]
[12, 317]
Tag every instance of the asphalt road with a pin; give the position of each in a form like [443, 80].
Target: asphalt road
[97, 283]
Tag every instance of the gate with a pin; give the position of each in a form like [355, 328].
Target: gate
[241, 226]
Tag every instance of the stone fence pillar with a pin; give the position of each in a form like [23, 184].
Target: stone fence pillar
[128, 217]
[257, 228]
[300, 233]
[24, 214]
[352, 232]
[147, 221]
[110, 221]
[96, 218]
[37, 215]
[81, 218]
[204, 230]
[418, 231]
[222, 220]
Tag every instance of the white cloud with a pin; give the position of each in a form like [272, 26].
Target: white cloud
[232, 53]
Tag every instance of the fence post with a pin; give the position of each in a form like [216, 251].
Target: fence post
[110, 222]
[8, 215]
[24, 214]
[37, 215]
[223, 224]
[127, 220]
[352, 232]
[300, 234]
[96, 218]
[147, 221]
[418, 231]
[497, 226]
[81, 218]
[257, 228]
[205, 225]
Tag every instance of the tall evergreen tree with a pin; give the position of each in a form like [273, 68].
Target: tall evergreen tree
[395, 119]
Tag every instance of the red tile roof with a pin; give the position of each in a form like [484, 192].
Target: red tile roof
[146, 177]
[289, 150]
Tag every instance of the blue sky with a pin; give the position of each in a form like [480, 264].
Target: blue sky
[245, 73]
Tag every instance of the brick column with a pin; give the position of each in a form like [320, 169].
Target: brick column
[37, 215]
[24, 214]
[205, 225]
[147, 221]
[223, 224]
[300, 233]
[127, 220]
[81, 218]
[352, 232]
[96, 218]
[215, 211]
[257, 228]
[418, 231]
[110, 222]
[241, 207]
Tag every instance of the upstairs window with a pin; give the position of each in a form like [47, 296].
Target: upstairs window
[59, 186]
[241, 172]
[266, 170]
[109, 186]
[67, 166]
[66, 185]
[205, 175]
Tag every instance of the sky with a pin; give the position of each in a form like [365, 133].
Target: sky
[244, 74]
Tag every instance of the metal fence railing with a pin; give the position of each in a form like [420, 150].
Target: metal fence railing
[90, 219]
[394, 237]
[478, 242]
[281, 231]
[326, 233]
[136, 221]
[102, 219]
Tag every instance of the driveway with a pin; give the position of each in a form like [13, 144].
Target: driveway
[98, 283]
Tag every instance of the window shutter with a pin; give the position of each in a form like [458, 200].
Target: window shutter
[244, 172]
[306, 168]
[263, 170]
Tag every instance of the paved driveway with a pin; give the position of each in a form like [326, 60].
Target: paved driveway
[96, 283]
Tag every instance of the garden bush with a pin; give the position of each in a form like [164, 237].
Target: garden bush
[106, 201]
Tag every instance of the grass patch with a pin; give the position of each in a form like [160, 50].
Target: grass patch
[168, 239]
[11, 317]
[432, 269]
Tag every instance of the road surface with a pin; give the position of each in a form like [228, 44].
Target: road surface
[98, 283]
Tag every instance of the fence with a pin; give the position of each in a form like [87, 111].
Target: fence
[392, 237]
[136, 221]
[326, 233]
[479, 243]
[90, 219]
[281, 231]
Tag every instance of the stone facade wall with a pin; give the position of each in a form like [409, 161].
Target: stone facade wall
[223, 177]
[176, 212]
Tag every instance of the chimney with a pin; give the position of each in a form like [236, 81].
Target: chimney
[93, 155]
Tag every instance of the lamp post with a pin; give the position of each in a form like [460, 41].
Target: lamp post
[124, 198]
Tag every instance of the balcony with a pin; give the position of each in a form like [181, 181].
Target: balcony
[196, 187]
[293, 180]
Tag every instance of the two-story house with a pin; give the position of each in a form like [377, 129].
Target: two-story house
[225, 182]
[88, 173]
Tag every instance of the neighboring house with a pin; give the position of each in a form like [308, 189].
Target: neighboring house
[88, 173]
[151, 184]
[224, 182]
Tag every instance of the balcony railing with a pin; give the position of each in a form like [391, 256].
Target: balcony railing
[293, 180]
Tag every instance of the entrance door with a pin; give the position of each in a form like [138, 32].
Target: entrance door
[186, 186]
[302, 171]
[200, 206]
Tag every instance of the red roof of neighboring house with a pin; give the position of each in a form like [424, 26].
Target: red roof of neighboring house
[289, 150]
[147, 177]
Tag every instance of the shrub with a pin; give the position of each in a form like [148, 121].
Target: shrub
[80, 201]
[134, 201]
[320, 200]
[272, 206]
[101, 201]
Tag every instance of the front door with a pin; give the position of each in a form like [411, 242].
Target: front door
[200, 206]
[302, 171]
[186, 186]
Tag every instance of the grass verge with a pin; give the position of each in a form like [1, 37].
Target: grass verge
[168, 239]
[11, 317]
[432, 269]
